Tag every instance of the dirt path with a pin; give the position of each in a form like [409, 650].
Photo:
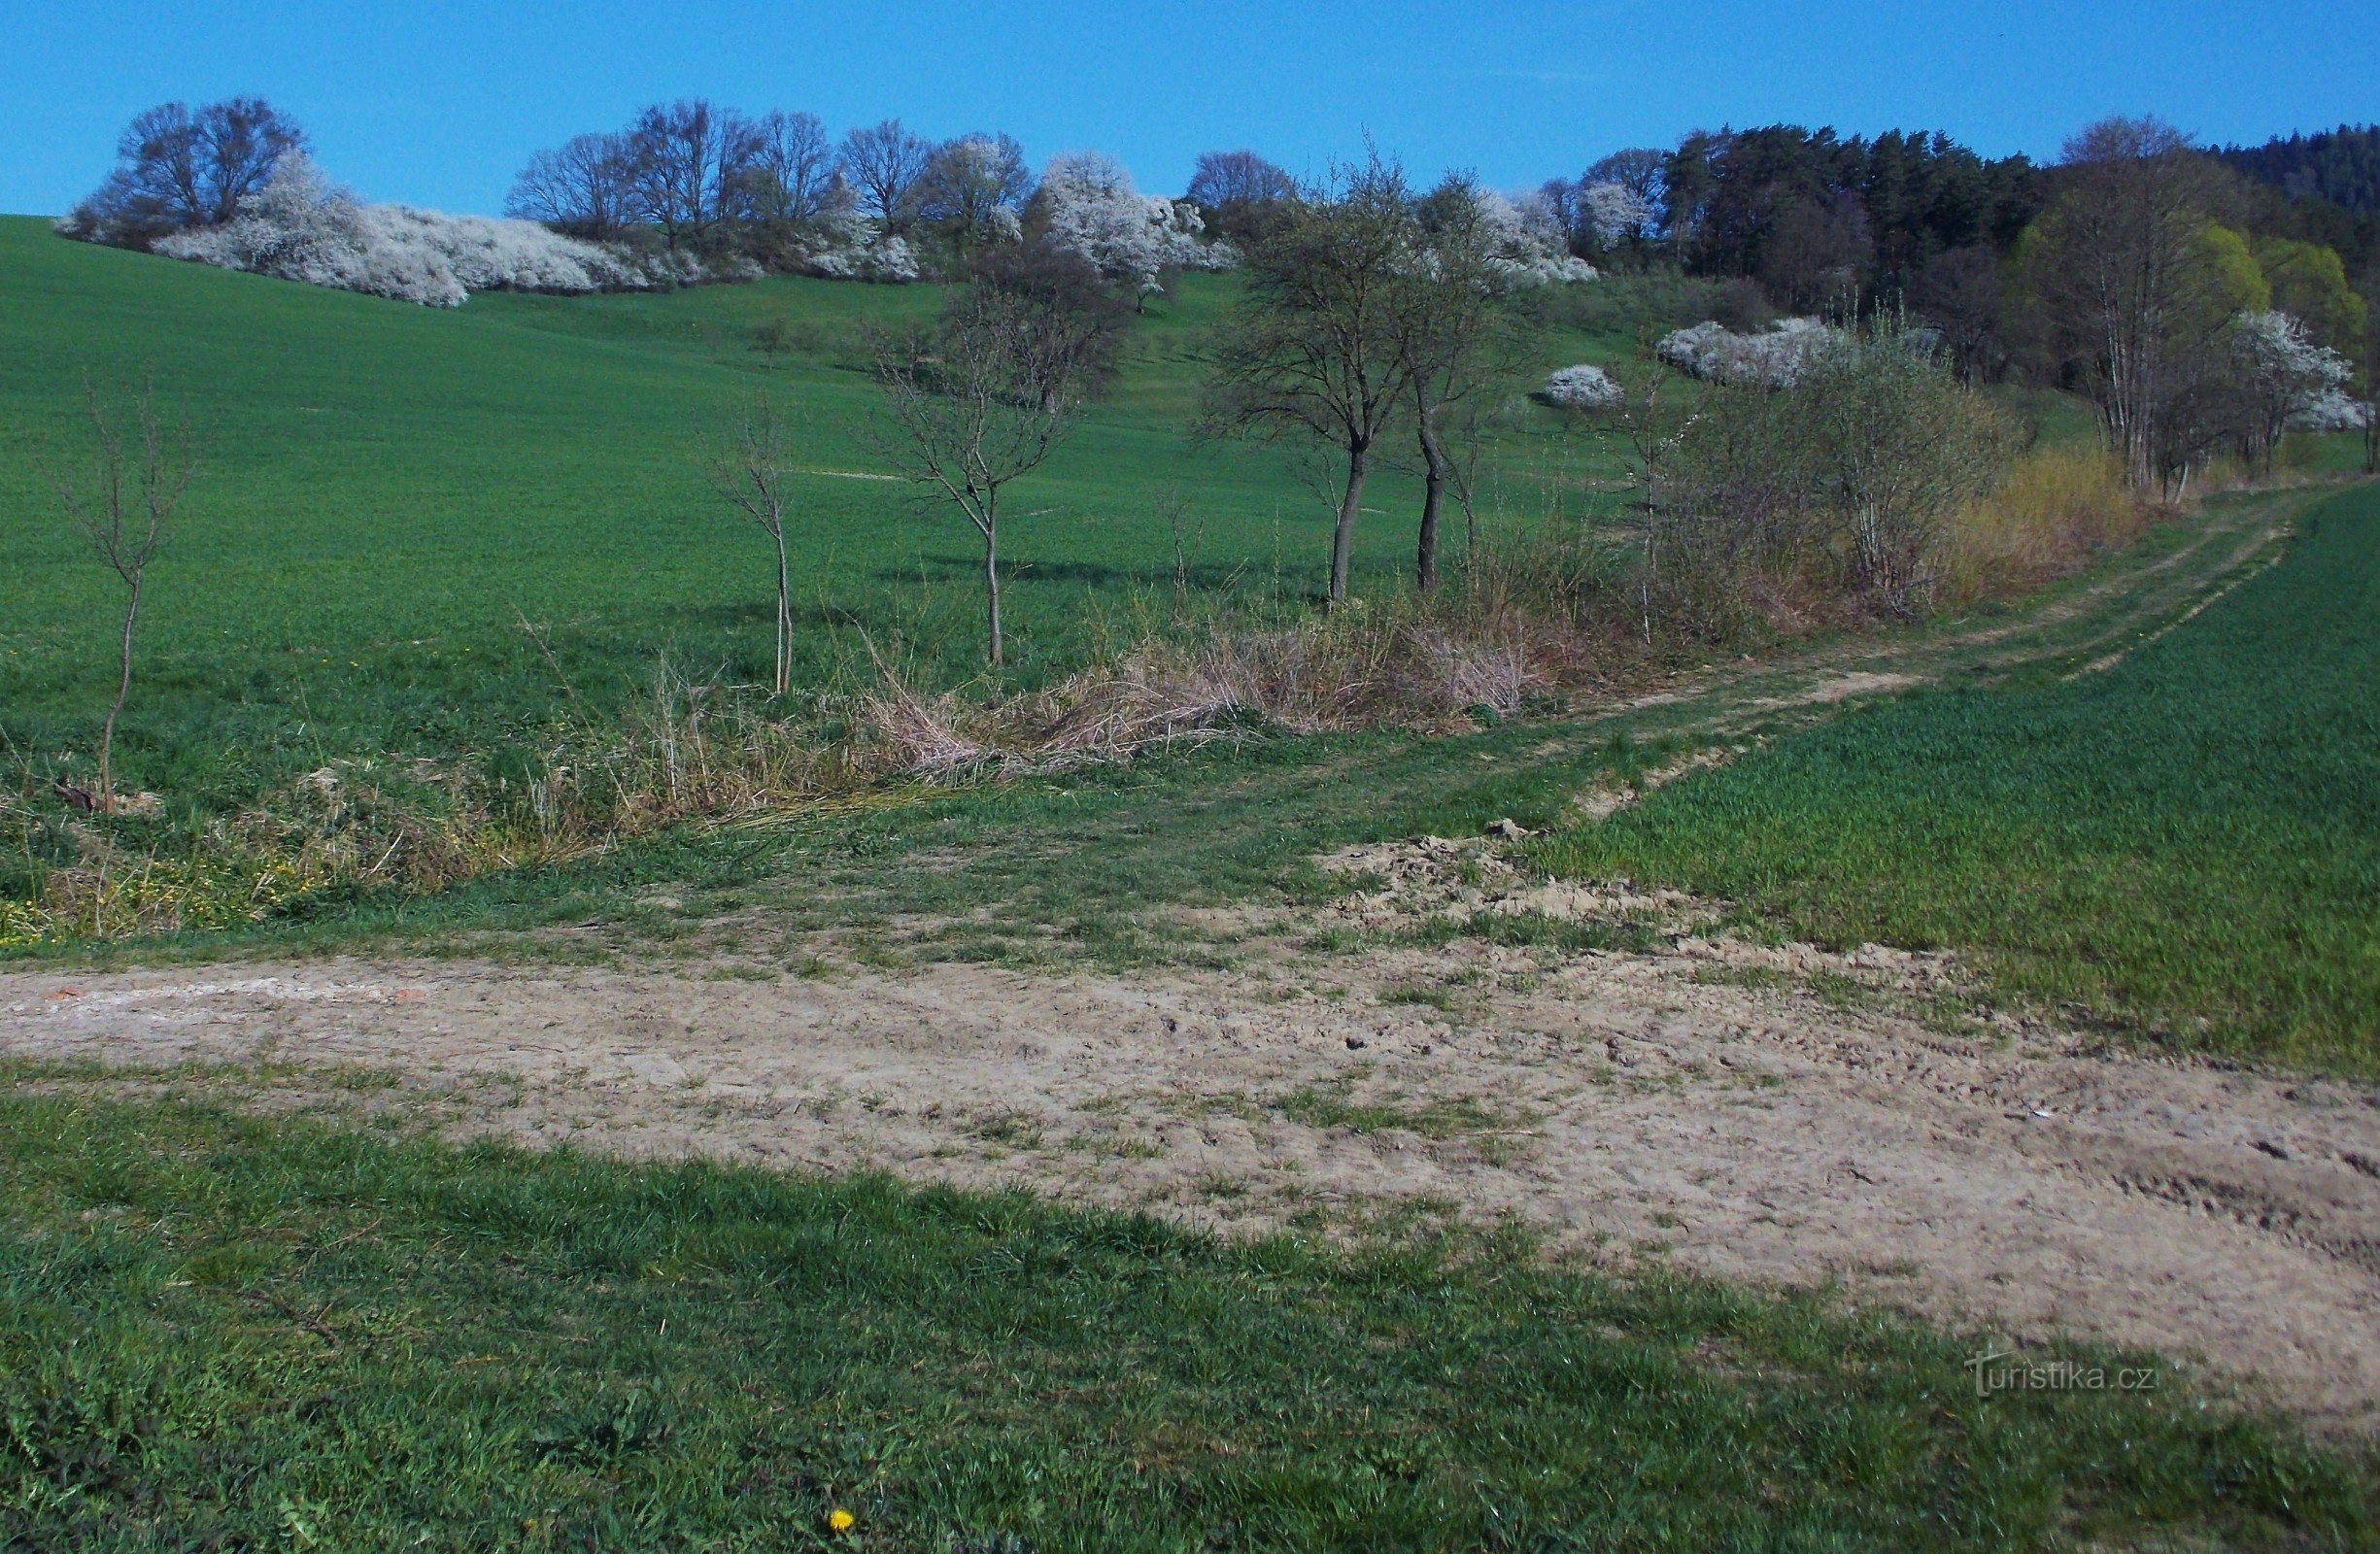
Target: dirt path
[1650, 1106]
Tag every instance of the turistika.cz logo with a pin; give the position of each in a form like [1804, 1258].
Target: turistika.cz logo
[2003, 1371]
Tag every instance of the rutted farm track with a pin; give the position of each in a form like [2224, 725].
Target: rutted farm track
[1775, 1114]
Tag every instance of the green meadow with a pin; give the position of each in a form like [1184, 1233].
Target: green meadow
[418, 532]
[241, 1334]
[2184, 841]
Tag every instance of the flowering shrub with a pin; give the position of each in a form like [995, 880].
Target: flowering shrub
[1581, 387]
[1772, 358]
[1527, 241]
[302, 226]
[851, 247]
[1094, 213]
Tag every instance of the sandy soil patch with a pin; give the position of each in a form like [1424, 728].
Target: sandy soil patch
[1647, 1105]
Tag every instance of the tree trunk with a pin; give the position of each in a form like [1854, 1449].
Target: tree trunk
[1433, 489]
[785, 618]
[1343, 533]
[123, 692]
[990, 583]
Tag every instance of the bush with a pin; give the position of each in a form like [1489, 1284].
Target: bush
[302, 226]
[1585, 386]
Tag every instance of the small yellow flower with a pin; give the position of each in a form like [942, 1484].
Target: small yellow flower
[839, 1519]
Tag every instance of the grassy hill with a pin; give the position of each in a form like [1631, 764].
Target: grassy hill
[389, 491]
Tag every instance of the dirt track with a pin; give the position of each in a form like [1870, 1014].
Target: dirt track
[1629, 1102]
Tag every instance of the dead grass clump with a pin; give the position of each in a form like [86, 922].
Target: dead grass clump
[2053, 510]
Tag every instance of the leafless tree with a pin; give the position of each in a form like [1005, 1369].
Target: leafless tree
[968, 409]
[586, 186]
[689, 158]
[124, 504]
[884, 162]
[1650, 421]
[750, 465]
[2119, 267]
[1959, 292]
[1458, 336]
[789, 175]
[179, 168]
[1315, 349]
[1239, 192]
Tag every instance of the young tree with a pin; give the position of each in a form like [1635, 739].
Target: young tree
[884, 163]
[968, 410]
[1651, 421]
[178, 169]
[1455, 334]
[124, 507]
[1316, 348]
[749, 469]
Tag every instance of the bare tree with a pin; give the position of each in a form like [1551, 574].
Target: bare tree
[1456, 337]
[178, 169]
[969, 409]
[586, 186]
[2121, 271]
[789, 176]
[884, 163]
[749, 469]
[124, 507]
[1651, 422]
[1239, 192]
[1315, 349]
[689, 158]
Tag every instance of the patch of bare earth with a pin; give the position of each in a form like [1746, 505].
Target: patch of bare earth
[1758, 1112]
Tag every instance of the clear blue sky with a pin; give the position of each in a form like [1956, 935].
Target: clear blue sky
[438, 103]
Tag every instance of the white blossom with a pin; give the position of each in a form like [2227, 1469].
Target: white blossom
[1771, 359]
[1527, 242]
[1585, 386]
[302, 226]
[1095, 213]
[2294, 381]
[851, 247]
[1617, 211]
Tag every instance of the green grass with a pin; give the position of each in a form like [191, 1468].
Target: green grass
[390, 492]
[2186, 842]
[218, 1333]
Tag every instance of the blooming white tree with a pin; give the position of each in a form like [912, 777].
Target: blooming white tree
[1585, 386]
[1094, 213]
[1775, 357]
[2288, 381]
[1616, 212]
[1529, 247]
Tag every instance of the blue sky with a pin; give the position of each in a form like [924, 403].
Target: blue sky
[438, 104]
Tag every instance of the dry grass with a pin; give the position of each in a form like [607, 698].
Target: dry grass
[2053, 510]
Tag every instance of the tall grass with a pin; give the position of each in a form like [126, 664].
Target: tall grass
[2053, 510]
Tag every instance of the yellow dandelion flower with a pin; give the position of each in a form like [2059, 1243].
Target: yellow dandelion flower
[839, 1519]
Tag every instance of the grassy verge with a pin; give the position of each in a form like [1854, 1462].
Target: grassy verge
[2186, 841]
[218, 1333]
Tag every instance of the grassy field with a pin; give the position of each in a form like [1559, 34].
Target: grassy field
[390, 493]
[2186, 841]
[241, 1334]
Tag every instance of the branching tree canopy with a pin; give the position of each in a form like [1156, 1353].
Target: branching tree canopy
[586, 188]
[972, 191]
[1317, 348]
[688, 159]
[971, 407]
[178, 169]
[883, 163]
[1237, 192]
